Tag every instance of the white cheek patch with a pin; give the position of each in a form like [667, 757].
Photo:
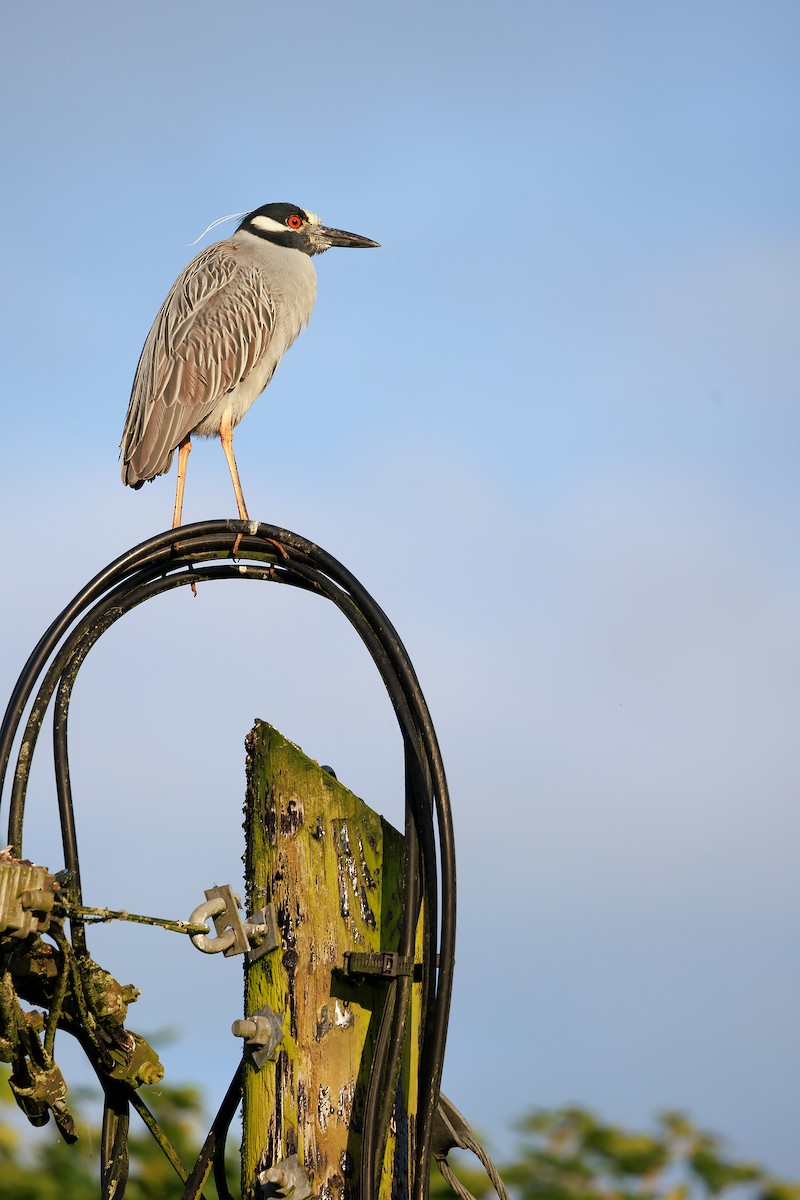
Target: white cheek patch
[268, 225]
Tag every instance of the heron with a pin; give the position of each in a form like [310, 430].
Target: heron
[226, 323]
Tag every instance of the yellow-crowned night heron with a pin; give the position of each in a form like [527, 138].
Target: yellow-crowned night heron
[229, 318]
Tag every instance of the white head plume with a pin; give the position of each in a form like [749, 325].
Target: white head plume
[213, 225]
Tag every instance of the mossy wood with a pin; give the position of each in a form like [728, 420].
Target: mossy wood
[333, 869]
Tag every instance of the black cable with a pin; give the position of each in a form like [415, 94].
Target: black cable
[392, 1030]
[371, 1141]
[114, 1141]
[275, 555]
[214, 1146]
[381, 1091]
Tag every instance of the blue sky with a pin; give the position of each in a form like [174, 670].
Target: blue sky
[552, 425]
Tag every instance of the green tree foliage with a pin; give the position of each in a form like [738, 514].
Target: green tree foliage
[38, 1165]
[569, 1154]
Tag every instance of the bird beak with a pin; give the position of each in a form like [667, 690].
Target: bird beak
[323, 237]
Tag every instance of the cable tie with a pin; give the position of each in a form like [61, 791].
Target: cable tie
[388, 964]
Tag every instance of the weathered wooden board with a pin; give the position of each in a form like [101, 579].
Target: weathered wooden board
[334, 870]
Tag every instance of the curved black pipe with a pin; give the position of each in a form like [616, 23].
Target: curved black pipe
[174, 559]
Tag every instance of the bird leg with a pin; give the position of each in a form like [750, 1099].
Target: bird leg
[184, 450]
[226, 438]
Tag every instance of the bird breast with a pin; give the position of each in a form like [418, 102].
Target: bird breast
[291, 281]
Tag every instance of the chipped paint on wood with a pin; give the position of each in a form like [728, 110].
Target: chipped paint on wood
[334, 870]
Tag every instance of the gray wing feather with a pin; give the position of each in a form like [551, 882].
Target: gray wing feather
[213, 328]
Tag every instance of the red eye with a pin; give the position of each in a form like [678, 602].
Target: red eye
[294, 221]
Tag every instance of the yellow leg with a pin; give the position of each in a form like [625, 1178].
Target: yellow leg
[226, 437]
[184, 449]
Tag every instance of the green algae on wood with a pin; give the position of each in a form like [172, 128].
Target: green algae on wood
[334, 871]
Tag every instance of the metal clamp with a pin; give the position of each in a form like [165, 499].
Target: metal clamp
[254, 937]
[215, 907]
[27, 896]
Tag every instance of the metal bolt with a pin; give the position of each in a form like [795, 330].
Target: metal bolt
[38, 900]
[244, 1028]
[263, 1033]
[279, 1180]
[150, 1073]
[285, 1179]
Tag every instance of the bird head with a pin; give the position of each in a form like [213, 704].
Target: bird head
[297, 228]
